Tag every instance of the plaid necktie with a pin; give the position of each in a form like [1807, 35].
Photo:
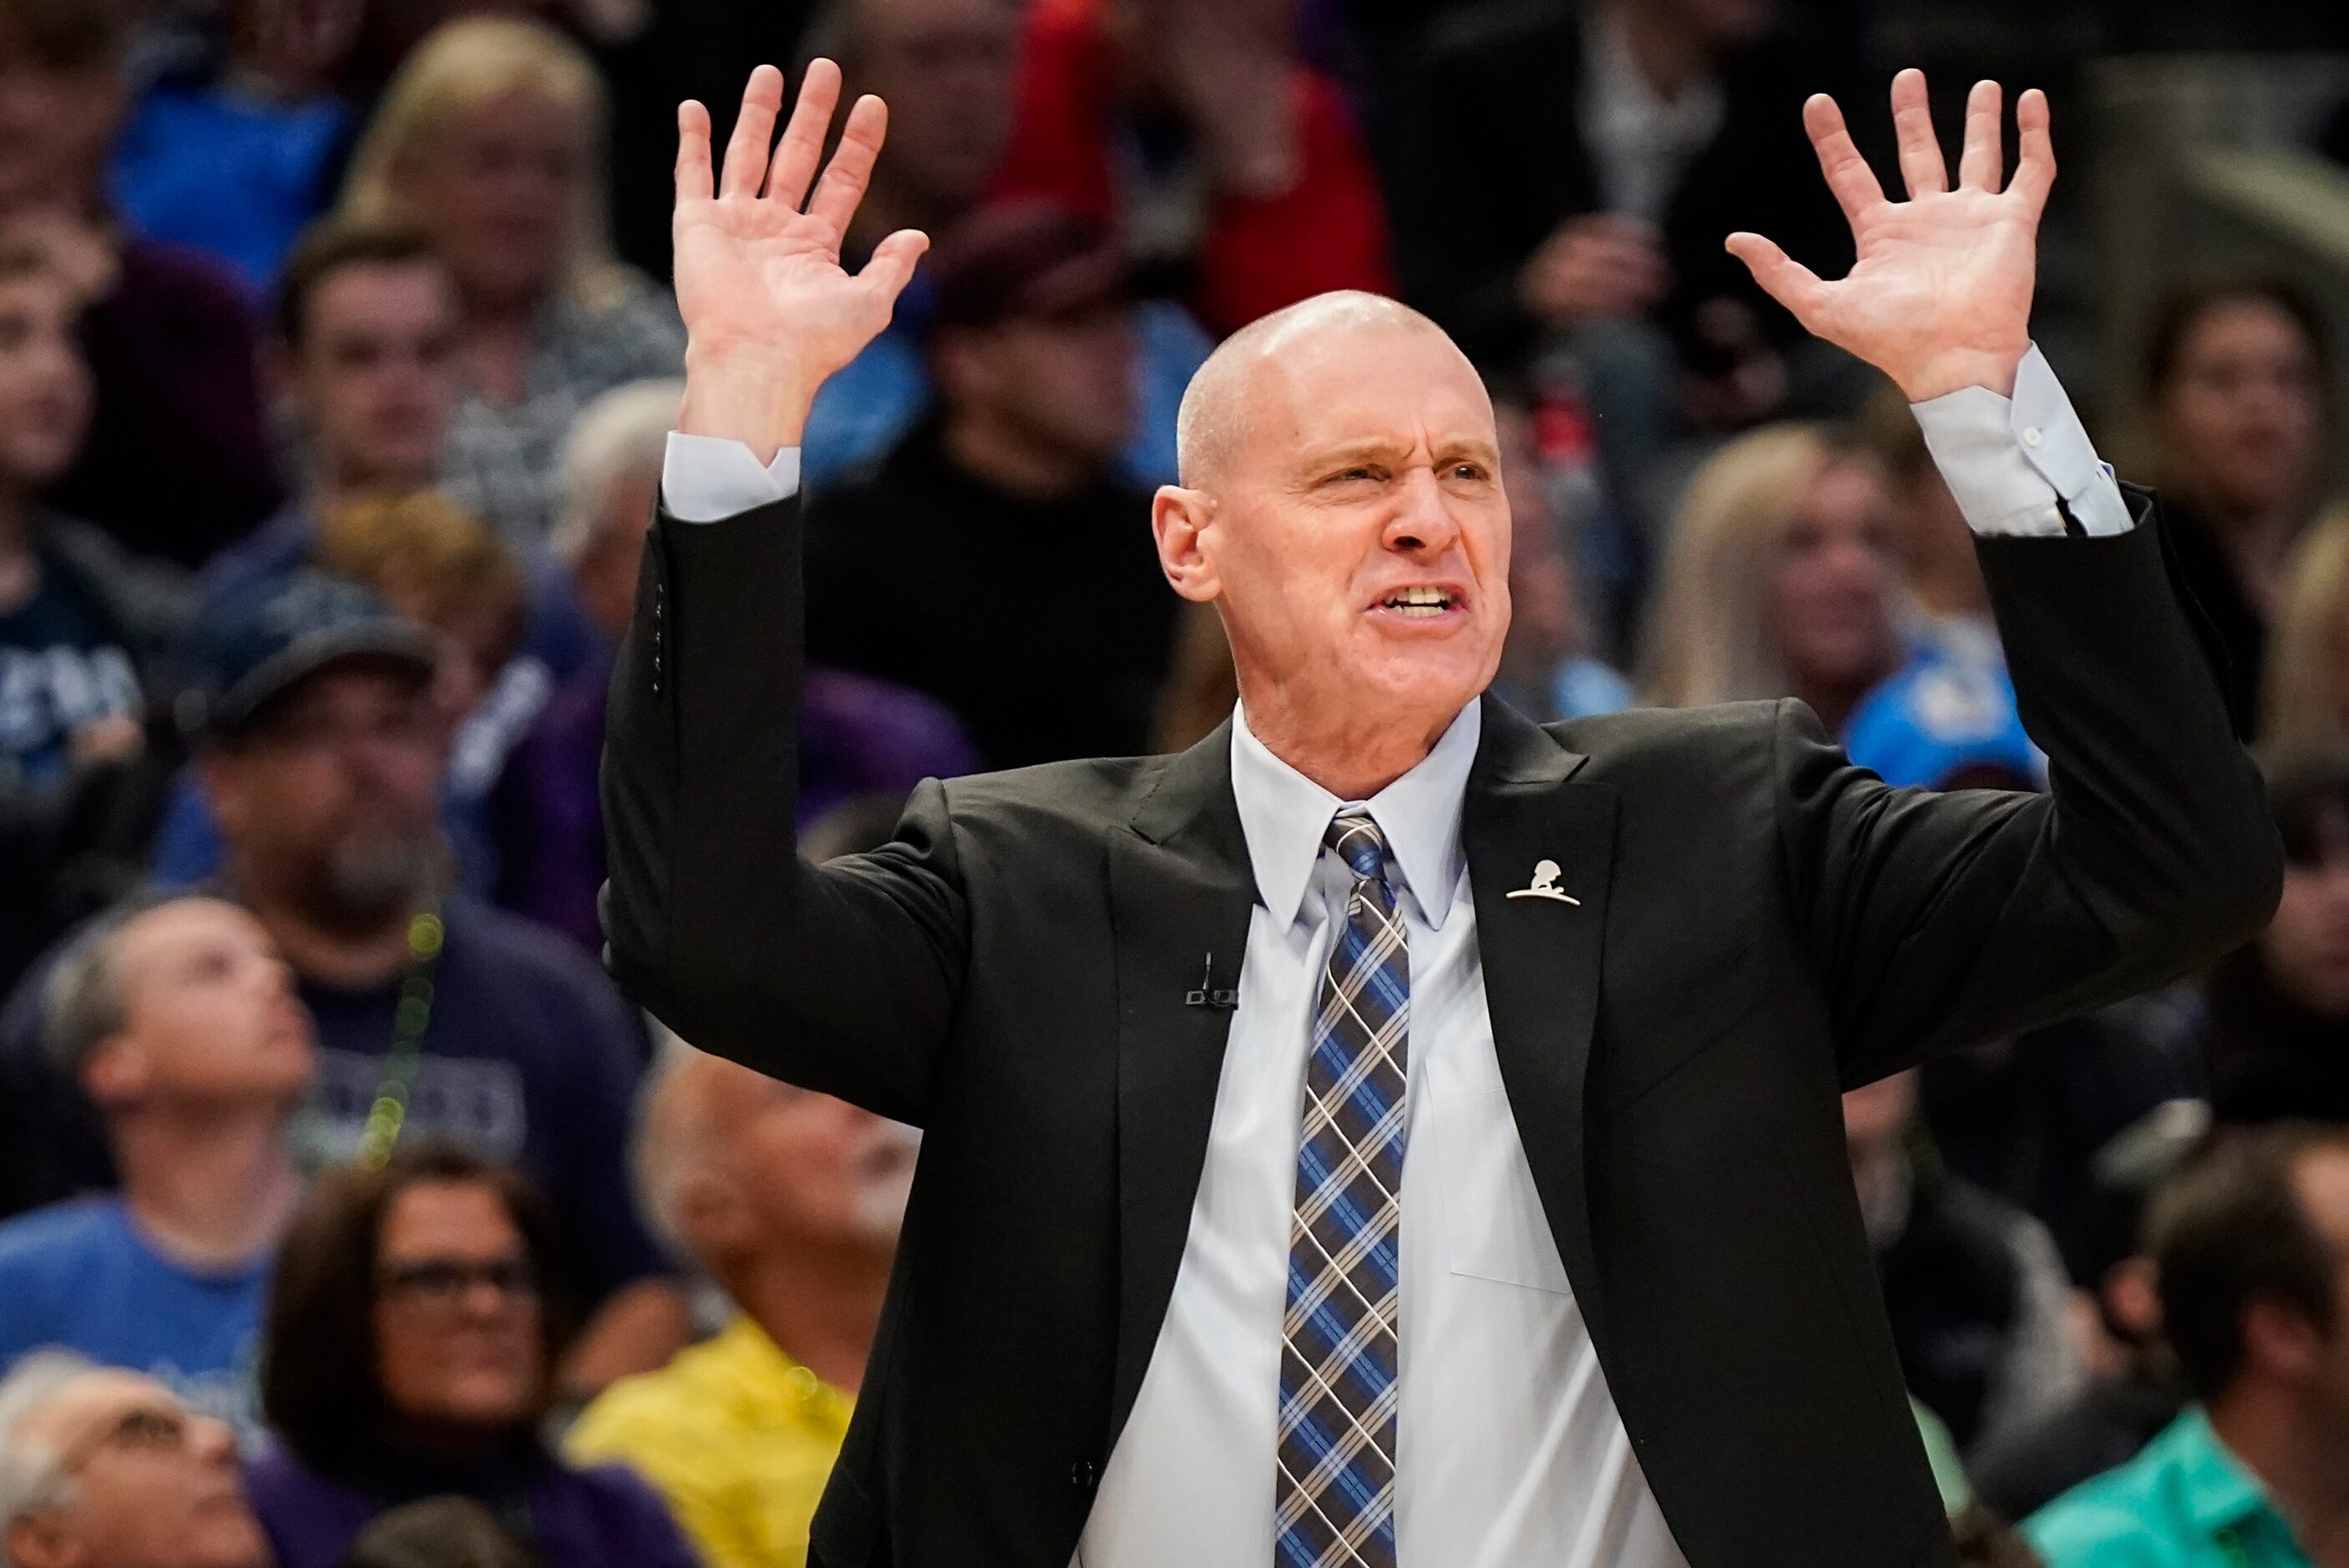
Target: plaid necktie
[1335, 1497]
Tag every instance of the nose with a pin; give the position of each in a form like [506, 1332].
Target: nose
[211, 1441]
[1422, 524]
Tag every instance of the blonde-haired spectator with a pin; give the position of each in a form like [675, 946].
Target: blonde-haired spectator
[493, 137]
[1779, 580]
[2305, 702]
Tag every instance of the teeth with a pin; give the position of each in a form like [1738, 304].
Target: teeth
[1419, 603]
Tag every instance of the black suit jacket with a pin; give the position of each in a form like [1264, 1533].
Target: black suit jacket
[1489, 157]
[1760, 925]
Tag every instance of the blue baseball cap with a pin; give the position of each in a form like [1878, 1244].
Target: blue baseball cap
[259, 642]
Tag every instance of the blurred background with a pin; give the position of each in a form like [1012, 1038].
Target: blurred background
[336, 361]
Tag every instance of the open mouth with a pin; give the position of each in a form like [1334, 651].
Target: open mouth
[1423, 603]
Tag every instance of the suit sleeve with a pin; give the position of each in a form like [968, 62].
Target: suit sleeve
[1939, 921]
[841, 977]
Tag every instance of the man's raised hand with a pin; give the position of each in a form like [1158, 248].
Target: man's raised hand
[769, 314]
[1940, 298]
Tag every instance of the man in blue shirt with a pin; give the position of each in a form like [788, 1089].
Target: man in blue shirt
[178, 1020]
[2251, 1243]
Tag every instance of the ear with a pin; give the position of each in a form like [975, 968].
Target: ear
[1178, 520]
[35, 1540]
[2281, 1342]
[217, 772]
[115, 1072]
[711, 1217]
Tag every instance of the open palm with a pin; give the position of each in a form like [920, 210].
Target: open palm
[759, 279]
[1940, 296]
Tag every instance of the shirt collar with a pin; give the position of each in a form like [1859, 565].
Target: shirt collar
[2219, 1489]
[1283, 815]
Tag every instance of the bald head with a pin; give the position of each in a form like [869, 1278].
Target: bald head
[745, 1172]
[1218, 403]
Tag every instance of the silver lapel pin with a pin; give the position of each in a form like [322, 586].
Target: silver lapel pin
[1545, 885]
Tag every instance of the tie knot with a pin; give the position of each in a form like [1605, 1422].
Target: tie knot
[1358, 842]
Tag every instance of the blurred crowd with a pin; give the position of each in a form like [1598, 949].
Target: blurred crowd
[358, 1220]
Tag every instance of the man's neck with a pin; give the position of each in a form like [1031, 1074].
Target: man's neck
[350, 961]
[213, 1187]
[820, 1309]
[1006, 459]
[2258, 546]
[888, 207]
[336, 485]
[1669, 58]
[2301, 1461]
[1352, 756]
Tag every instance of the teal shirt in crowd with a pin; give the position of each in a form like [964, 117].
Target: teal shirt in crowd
[2184, 1502]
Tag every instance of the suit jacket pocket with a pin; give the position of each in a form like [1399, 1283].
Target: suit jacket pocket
[1652, 1035]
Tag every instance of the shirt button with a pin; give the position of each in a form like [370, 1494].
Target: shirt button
[2030, 435]
[1081, 1475]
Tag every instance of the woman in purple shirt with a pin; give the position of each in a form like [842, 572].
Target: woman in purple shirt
[413, 1325]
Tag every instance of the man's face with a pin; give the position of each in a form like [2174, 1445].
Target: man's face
[813, 1170]
[1357, 535]
[2306, 946]
[457, 1318]
[1064, 381]
[2321, 1183]
[154, 1485]
[211, 1016]
[329, 796]
[375, 374]
[44, 387]
[946, 69]
[56, 128]
[1723, 24]
[605, 571]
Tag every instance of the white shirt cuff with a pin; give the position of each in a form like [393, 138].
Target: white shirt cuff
[2009, 461]
[706, 478]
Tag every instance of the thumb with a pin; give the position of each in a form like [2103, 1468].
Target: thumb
[1782, 277]
[891, 267]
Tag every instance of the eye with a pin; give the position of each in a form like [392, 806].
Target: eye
[1473, 473]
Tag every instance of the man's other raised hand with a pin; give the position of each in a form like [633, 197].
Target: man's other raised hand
[1940, 296]
[769, 312]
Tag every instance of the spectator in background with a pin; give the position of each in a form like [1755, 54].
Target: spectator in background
[996, 559]
[1662, 125]
[2305, 702]
[416, 1322]
[235, 146]
[1948, 721]
[100, 1466]
[2235, 379]
[1195, 130]
[1779, 582]
[2133, 1391]
[792, 1200]
[177, 462]
[1973, 1288]
[491, 137]
[946, 69]
[321, 760]
[446, 572]
[81, 629]
[2251, 1245]
[2278, 1008]
[1547, 668]
[179, 1021]
[364, 356]
[857, 734]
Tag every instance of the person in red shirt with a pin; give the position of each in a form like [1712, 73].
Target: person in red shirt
[1227, 164]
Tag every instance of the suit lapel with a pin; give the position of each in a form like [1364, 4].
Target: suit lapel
[1541, 957]
[1180, 892]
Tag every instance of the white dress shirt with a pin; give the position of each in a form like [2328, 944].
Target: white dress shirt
[1510, 1452]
